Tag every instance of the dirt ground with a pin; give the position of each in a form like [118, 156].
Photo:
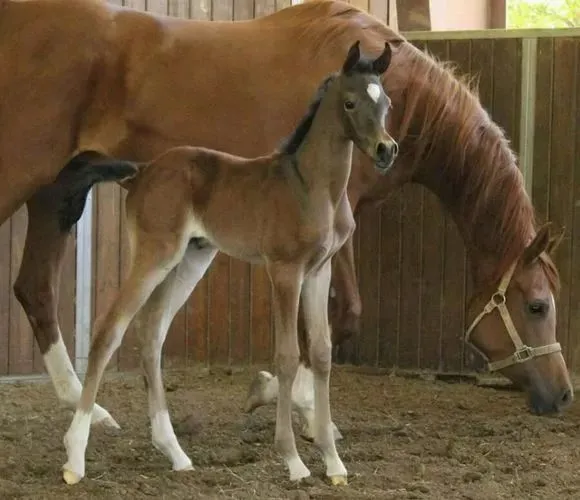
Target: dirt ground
[403, 438]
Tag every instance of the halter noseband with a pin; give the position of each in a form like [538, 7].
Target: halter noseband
[523, 352]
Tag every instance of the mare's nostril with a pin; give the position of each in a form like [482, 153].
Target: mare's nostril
[381, 150]
[394, 149]
[565, 399]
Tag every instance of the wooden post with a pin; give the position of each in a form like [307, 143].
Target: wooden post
[413, 15]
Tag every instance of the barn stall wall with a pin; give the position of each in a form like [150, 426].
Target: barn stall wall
[410, 259]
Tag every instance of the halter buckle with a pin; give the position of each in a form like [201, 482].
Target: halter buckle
[523, 354]
[498, 298]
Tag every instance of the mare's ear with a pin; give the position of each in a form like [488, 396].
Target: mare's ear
[352, 57]
[381, 63]
[543, 242]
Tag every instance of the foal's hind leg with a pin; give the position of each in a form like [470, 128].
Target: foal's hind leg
[37, 288]
[155, 258]
[315, 303]
[152, 322]
[287, 281]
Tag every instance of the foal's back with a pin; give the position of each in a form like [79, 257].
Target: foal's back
[239, 204]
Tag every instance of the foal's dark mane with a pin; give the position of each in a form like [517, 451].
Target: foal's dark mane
[457, 150]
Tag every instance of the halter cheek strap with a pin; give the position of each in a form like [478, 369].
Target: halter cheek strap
[522, 352]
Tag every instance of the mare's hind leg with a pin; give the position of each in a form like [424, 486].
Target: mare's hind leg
[315, 303]
[155, 257]
[152, 323]
[37, 288]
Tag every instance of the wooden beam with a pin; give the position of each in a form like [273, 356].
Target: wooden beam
[414, 15]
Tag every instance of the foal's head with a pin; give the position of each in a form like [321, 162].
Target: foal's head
[364, 105]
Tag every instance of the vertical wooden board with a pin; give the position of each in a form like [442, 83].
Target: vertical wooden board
[574, 325]
[219, 313]
[482, 70]
[136, 4]
[222, 10]
[482, 67]
[283, 4]
[264, 7]
[507, 64]
[261, 315]
[411, 270]
[243, 9]
[561, 204]
[107, 251]
[200, 9]
[179, 8]
[197, 310]
[240, 274]
[5, 295]
[379, 9]
[543, 127]
[433, 229]
[369, 223]
[390, 274]
[157, 6]
[21, 338]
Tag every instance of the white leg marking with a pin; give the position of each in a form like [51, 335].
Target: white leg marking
[75, 443]
[164, 439]
[66, 383]
[374, 91]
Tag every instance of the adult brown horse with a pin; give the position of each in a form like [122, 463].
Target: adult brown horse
[85, 75]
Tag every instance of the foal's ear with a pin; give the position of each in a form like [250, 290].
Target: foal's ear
[352, 57]
[381, 63]
[543, 242]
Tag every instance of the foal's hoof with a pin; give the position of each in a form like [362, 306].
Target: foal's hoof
[102, 417]
[70, 477]
[257, 392]
[338, 480]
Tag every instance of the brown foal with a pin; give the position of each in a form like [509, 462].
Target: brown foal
[288, 210]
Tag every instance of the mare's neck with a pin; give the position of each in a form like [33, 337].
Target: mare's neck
[324, 159]
[489, 205]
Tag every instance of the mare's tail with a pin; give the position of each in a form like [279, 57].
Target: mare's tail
[76, 179]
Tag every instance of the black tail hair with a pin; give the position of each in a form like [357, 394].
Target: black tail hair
[76, 179]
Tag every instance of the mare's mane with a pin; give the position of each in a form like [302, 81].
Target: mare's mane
[452, 144]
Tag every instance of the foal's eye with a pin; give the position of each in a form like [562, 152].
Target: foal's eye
[538, 308]
[348, 105]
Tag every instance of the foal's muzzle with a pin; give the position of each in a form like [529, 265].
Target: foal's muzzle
[385, 155]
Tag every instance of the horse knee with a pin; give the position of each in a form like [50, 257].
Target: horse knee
[321, 354]
[287, 366]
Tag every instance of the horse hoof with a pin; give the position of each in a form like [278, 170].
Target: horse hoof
[107, 422]
[338, 480]
[257, 392]
[70, 477]
[183, 468]
[337, 434]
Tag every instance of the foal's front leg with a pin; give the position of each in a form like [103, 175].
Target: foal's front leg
[286, 281]
[152, 323]
[153, 262]
[315, 304]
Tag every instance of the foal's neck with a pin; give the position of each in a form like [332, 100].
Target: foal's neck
[324, 159]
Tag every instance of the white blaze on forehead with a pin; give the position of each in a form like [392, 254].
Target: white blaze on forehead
[374, 91]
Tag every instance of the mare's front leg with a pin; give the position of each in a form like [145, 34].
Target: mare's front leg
[37, 289]
[152, 323]
[286, 281]
[315, 304]
[156, 256]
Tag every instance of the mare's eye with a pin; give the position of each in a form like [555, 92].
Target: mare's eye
[538, 308]
[348, 105]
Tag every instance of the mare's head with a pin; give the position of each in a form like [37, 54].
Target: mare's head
[364, 106]
[514, 325]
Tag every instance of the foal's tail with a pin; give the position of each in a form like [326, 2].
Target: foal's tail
[76, 179]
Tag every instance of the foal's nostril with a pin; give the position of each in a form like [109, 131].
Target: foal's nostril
[394, 149]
